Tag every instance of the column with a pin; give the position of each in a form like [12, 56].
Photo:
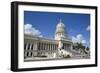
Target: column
[29, 49]
[51, 47]
[55, 47]
[32, 49]
[26, 46]
[30, 46]
[47, 46]
[42, 46]
[26, 50]
[35, 48]
[39, 48]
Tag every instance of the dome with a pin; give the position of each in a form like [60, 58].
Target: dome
[61, 32]
[60, 27]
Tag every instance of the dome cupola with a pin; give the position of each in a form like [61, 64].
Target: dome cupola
[60, 30]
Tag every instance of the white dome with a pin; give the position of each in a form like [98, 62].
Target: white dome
[60, 27]
[60, 31]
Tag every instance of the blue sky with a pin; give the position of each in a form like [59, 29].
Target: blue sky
[45, 22]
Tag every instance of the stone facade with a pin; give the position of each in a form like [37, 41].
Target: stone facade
[36, 46]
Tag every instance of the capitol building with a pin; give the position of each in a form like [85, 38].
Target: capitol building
[40, 48]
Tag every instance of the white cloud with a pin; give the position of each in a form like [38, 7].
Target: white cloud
[88, 28]
[84, 41]
[79, 38]
[30, 30]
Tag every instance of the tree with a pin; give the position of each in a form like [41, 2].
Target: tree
[79, 46]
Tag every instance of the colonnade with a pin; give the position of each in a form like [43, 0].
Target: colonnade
[35, 48]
